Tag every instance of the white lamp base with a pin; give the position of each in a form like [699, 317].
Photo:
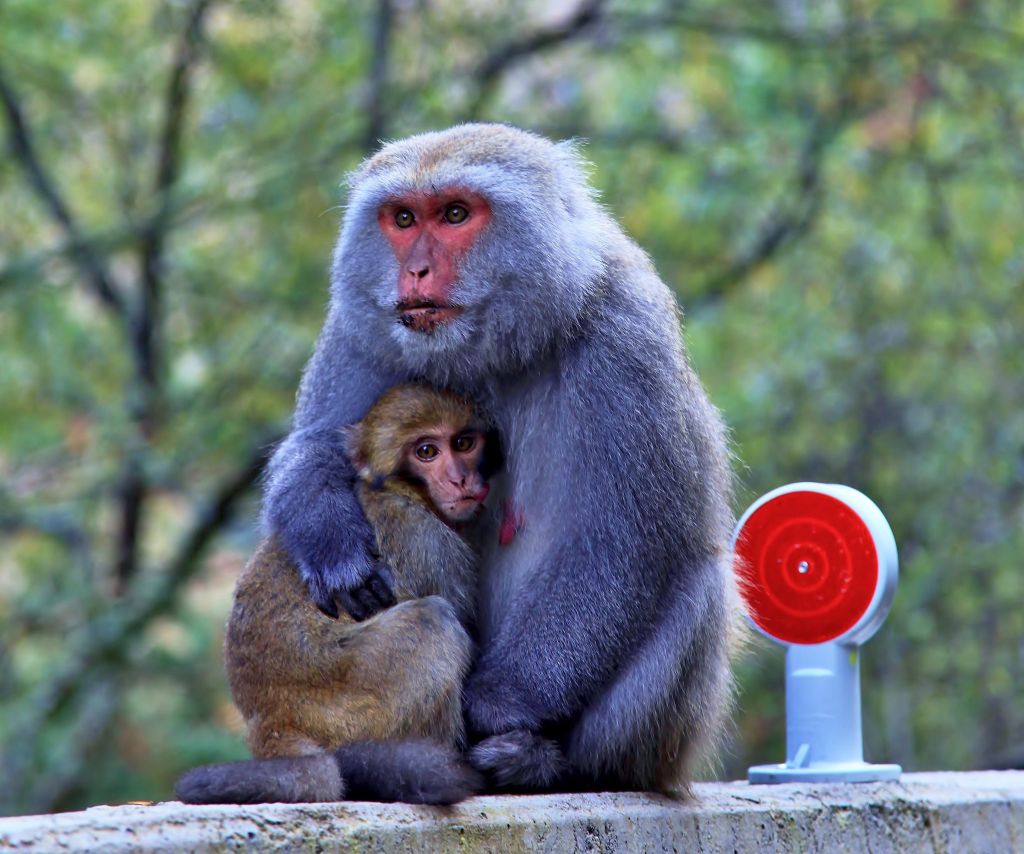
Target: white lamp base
[824, 772]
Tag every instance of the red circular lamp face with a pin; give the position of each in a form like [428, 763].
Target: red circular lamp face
[807, 566]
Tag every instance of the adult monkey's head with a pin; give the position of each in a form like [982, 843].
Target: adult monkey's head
[468, 253]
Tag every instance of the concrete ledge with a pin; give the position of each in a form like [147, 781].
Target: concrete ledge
[972, 812]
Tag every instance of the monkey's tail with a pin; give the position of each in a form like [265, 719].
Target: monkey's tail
[416, 772]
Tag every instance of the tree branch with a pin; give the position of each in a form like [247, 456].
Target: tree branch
[147, 320]
[126, 234]
[59, 526]
[23, 149]
[107, 640]
[168, 167]
[218, 513]
[856, 34]
[186, 207]
[52, 523]
[788, 219]
[132, 491]
[93, 720]
[489, 71]
[376, 115]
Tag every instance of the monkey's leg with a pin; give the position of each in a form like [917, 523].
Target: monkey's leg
[403, 671]
[660, 714]
[397, 675]
[388, 685]
[306, 682]
[648, 727]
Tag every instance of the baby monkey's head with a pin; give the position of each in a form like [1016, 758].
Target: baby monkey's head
[432, 439]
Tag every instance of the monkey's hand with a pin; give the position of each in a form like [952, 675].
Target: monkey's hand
[366, 595]
[492, 706]
[373, 594]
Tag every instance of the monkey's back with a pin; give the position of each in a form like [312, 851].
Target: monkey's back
[275, 654]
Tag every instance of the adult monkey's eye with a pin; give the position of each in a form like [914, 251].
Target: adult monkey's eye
[426, 452]
[455, 214]
[464, 443]
[404, 218]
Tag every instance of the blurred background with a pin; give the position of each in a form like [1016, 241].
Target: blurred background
[833, 189]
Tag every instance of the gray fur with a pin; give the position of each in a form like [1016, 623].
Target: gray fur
[289, 780]
[521, 761]
[610, 614]
[412, 771]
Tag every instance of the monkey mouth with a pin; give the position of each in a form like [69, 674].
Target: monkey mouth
[466, 502]
[425, 315]
[468, 505]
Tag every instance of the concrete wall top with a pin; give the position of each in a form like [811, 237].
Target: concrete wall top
[937, 812]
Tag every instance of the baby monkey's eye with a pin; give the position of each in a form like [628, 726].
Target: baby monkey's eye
[426, 452]
[404, 218]
[464, 443]
[455, 213]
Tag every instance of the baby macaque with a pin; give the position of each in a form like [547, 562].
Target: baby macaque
[366, 709]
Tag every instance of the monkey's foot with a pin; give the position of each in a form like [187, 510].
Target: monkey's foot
[519, 760]
[416, 771]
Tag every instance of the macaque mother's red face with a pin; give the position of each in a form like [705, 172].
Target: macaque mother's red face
[430, 234]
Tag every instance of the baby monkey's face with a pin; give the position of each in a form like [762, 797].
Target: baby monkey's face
[447, 460]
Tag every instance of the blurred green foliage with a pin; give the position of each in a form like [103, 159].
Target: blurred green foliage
[834, 190]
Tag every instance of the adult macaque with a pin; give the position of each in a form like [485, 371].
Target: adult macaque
[478, 259]
[384, 694]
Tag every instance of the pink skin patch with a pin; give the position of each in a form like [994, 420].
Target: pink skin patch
[512, 522]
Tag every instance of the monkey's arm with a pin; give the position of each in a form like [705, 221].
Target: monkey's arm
[309, 501]
[428, 557]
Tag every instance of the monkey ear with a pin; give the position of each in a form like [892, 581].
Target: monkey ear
[352, 437]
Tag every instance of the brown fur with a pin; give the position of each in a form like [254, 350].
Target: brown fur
[306, 682]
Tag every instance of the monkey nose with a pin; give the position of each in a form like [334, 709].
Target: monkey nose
[420, 273]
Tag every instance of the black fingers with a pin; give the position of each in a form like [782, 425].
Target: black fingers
[321, 595]
[327, 606]
[361, 600]
[381, 591]
[371, 596]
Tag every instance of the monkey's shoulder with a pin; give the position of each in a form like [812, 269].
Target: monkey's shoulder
[400, 514]
[270, 566]
[270, 593]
